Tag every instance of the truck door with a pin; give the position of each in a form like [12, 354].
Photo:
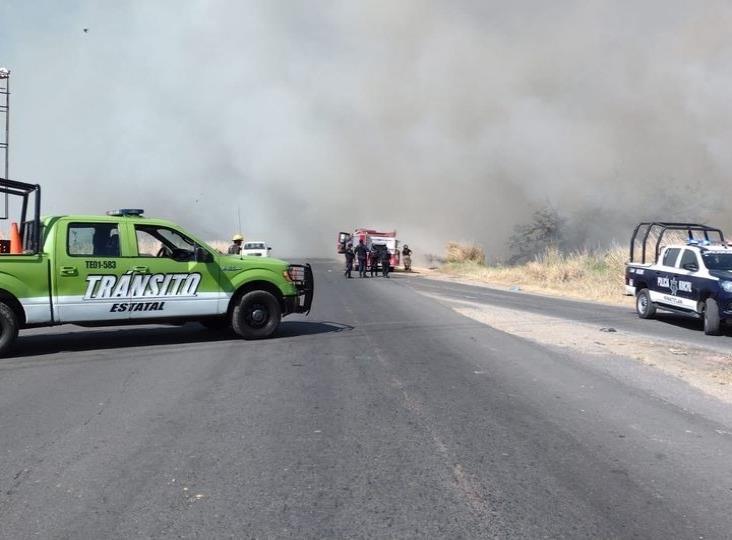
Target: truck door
[87, 280]
[167, 279]
[661, 289]
[687, 284]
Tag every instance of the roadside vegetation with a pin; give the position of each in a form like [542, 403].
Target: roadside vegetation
[590, 275]
[457, 253]
[542, 259]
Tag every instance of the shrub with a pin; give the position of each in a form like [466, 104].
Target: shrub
[461, 253]
[534, 238]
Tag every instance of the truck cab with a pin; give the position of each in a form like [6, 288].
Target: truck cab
[124, 268]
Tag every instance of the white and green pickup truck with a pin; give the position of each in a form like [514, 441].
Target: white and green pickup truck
[123, 268]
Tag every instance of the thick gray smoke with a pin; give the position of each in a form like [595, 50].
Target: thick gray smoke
[444, 120]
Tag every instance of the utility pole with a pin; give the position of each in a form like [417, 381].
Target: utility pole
[5, 110]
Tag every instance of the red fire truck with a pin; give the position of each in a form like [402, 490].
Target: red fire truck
[374, 241]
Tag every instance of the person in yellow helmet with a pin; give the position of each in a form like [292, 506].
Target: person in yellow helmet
[235, 247]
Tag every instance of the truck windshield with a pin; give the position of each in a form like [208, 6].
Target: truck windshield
[717, 261]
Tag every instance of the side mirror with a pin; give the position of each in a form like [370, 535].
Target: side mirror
[269, 249]
[691, 267]
[203, 256]
[181, 255]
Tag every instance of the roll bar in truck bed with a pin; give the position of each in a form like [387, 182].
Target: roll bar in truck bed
[643, 232]
[30, 229]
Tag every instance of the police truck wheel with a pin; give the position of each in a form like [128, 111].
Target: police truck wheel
[8, 328]
[712, 323]
[257, 315]
[643, 305]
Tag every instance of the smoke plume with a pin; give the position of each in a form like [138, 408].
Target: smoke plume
[444, 120]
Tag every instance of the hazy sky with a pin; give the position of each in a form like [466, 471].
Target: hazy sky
[444, 120]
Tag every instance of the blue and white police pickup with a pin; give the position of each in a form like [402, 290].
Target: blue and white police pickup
[692, 276]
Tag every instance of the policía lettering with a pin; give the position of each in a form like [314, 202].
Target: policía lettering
[683, 286]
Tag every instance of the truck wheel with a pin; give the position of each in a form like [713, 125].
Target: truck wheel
[712, 323]
[257, 315]
[8, 328]
[643, 305]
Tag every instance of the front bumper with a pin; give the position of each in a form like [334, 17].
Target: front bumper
[302, 277]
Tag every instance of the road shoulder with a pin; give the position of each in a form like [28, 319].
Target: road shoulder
[706, 369]
[547, 292]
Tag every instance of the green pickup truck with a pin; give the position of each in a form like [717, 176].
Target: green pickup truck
[123, 268]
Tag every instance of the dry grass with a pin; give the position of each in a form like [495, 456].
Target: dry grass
[583, 274]
[464, 253]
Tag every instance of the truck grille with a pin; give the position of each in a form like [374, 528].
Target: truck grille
[302, 276]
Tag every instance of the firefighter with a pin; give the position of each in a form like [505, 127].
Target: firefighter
[407, 258]
[361, 254]
[385, 261]
[374, 262]
[349, 260]
[235, 247]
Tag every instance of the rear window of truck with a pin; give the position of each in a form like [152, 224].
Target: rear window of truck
[93, 240]
[669, 258]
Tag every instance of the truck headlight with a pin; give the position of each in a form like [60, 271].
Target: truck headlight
[726, 286]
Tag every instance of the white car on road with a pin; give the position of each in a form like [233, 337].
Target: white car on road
[256, 249]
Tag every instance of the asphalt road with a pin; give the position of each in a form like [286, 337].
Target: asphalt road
[666, 325]
[383, 414]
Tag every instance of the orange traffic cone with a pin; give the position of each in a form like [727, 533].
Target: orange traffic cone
[16, 247]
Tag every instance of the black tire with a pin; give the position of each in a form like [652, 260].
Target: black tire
[643, 305]
[712, 323]
[257, 315]
[216, 325]
[8, 328]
